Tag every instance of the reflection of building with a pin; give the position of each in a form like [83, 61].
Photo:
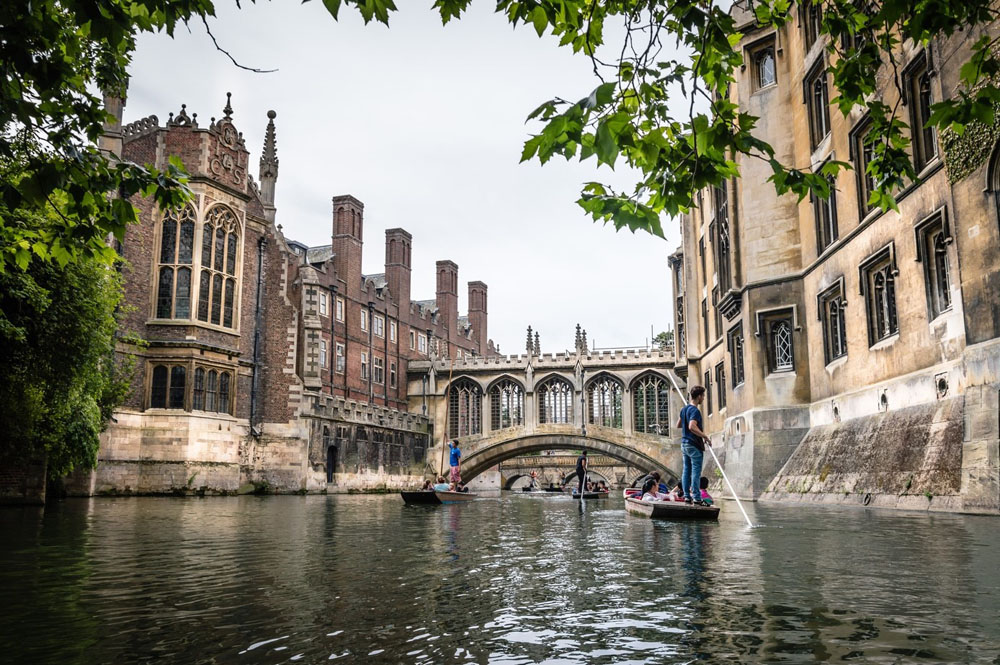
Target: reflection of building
[848, 351]
[264, 359]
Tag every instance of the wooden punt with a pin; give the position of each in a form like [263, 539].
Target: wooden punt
[671, 510]
[421, 497]
[590, 495]
[455, 497]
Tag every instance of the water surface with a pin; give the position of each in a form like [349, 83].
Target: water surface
[519, 579]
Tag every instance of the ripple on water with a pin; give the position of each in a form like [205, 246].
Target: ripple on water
[511, 580]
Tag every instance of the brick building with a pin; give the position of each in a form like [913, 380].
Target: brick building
[264, 360]
[850, 354]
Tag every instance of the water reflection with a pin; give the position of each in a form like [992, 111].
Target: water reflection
[520, 579]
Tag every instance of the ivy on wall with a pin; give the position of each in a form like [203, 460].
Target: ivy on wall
[965, 153]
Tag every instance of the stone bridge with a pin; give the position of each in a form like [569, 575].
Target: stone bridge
[561, 469]
[619, 403]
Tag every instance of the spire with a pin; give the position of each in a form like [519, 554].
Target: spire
[585, 341]
[228, 110]
[579, 339]
[268, 167]
[529, 347]
[538, 345]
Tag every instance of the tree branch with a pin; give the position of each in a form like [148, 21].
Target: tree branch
[229, 55]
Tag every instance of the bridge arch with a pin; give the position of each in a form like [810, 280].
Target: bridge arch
[479, 459]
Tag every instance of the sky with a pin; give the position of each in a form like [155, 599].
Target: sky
[425, 124]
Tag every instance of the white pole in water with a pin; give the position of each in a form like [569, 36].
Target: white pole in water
[709, 446]
[726, 478]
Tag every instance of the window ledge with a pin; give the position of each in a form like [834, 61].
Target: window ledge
[836, 363]
[884, 343]
[766, 88]
[192, 322]
[780, 374]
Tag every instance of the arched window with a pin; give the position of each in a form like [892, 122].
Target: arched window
[211, 386]
[198, 394]
[224, 393]
[464, 408]
[173, 282]
[781, 336]
[650, 405]
[217, 283]
[555, 402]
[506, 405]
[604, 402]
[176, 391]
[158, 392]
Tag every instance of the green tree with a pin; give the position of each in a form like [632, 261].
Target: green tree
[59, 377]
[664, 339]
[662, 104]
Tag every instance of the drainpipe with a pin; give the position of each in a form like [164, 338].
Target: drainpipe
[371, 355]
[333, 333]
[258, 314]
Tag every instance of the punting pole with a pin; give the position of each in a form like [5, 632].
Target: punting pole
[739, 503]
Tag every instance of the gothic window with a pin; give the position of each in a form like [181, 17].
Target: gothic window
[650, 405]
[720, 237]
[604, 402]
[506, 405]
[173, 291]
[217, 281]
[198, 396]
[720, 384]
[918, 88]
[464, 404]
[817, 99]
[864, 152]
[211, 390]
[717, 314]
[831, 311]
[764, 70]
[555, 402]
[777, 327]
[167, 387]
[736, 353]
[825, 212]
[878, 286]
[223, 405]
[933, 238]
[812, 21]
[708, 392]
[681, 339]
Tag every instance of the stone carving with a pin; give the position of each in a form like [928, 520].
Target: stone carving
[141, 127]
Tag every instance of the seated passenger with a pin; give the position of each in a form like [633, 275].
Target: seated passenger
[428, 485]
[649, 487]
[441, 485]
[706, 498]
[677, 494]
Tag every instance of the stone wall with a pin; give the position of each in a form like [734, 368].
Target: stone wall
[905, 458]
[23, 484]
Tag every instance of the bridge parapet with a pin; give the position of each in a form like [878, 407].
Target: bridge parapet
[606, 357]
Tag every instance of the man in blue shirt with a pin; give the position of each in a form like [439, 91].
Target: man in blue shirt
[454, 457]
[693, 441]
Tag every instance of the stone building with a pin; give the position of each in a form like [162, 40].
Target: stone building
[850, 355]
[263, 360]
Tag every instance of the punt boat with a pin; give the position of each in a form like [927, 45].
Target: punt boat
[671, 510]
[436, 498]
[590, 495]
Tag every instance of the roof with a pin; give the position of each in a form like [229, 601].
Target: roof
[320, 254]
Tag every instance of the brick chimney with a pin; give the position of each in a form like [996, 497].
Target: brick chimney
[477, 315]
[348, 237]
[447, 295]
[398, 244]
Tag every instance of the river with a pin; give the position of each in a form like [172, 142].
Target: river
[516, 579]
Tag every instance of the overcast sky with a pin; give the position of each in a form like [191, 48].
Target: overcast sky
[424, 123]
